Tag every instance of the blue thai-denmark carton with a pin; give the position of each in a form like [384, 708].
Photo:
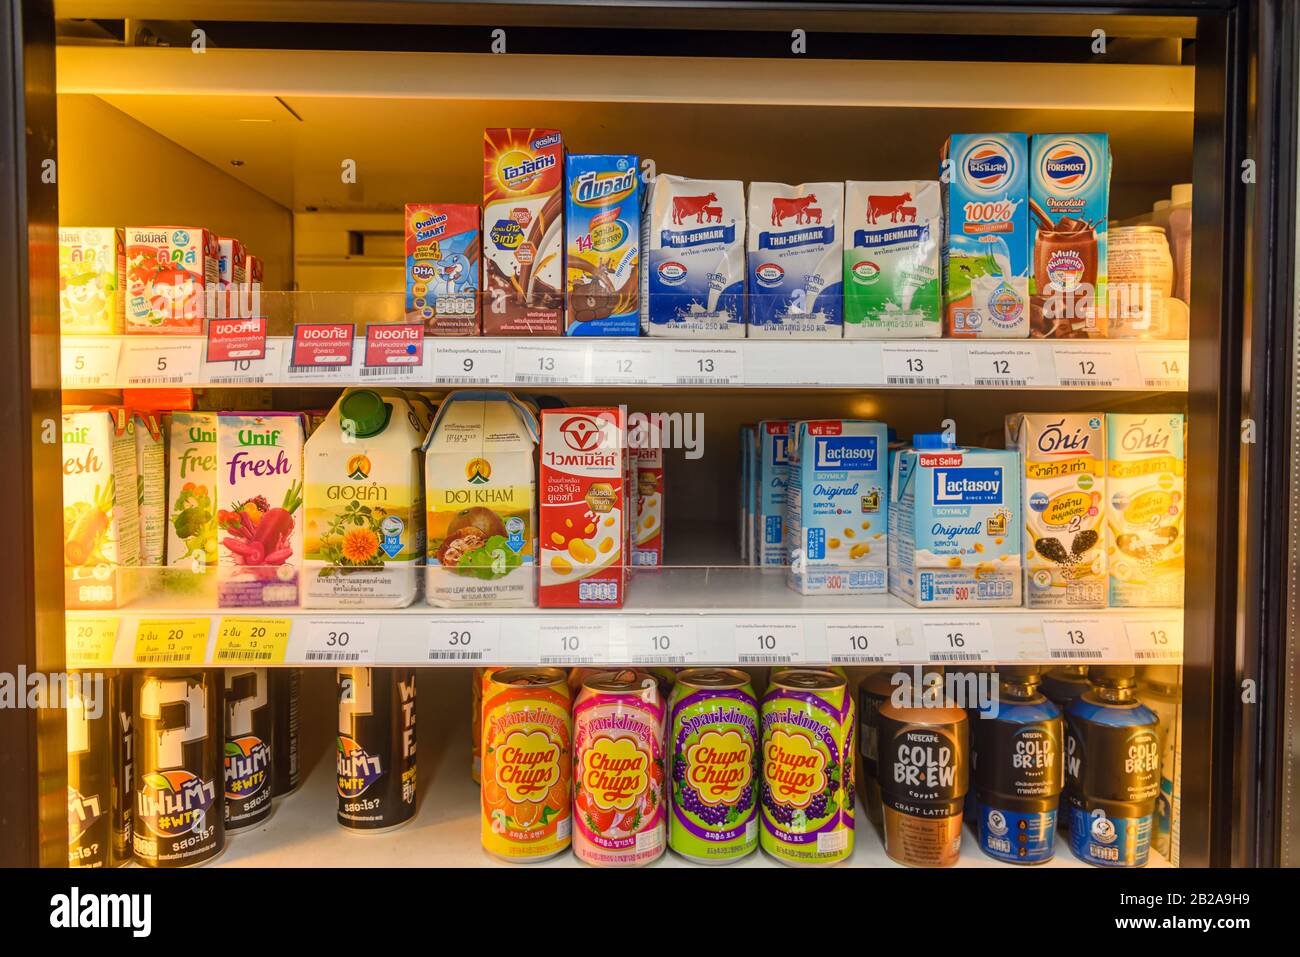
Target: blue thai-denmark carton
[795, 258]
[602, 223]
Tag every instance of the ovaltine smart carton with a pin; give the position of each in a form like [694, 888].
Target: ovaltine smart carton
[442, 267]
[773, 480]
[954, 525]
[523, 232]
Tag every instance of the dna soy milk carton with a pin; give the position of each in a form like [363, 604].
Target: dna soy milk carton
[985, 185]
[837, 507]
[602, 222]
[696, 252]
[794, 256]
[92, 281]
[442, 267]
[1064, 507]
[892, 235]
[1145, 482]
[954, 525]
[771, 487]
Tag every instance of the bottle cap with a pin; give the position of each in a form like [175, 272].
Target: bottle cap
[932, 440]
[1116, 676]
[1180, 194]
[367, 410]
[1021, 674]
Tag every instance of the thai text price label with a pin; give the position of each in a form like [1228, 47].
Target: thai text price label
[993, 364]
[1085, 367]
[252, 641]
[958, 640]
[346, 641]
[1079, 640]
[173, 641]
[463, 641]
[1163, 369]
[706, 365]
[232, 340]
[917, 364]
[1155, 640]
[559, 363]
[89, 363]
[769, 643]
[869, 643]
[90, 642]
[580, 643]
[468, 365]
[627, 365]
[317, 344]
[394, 347]
[666, 643]
[159, 361]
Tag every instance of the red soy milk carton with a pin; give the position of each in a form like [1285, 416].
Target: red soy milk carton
[582, 525]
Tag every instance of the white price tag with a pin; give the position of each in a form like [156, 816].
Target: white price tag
[262, 371]
[769, 643]
[915, 363]
[674, 643]
[456, 364]
[463, 641]
[90, 363]
[1081, 640]
[706, 365]
[869, 643]
[1163, 368]
[1093, 367]
[628, 365]
[994, 364]
[959, 641]
[573, 643]
[344, 641]
[1155, 640]
[560, 363]
[161, 362]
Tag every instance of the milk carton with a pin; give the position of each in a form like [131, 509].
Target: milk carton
[259, 514]
[1064, 506]
[363, 504]
[92, 281]
[192, 475]
[523, 232]
[1145, 477]
[697, 258]
[771, 490]
[954, 525]
[795, 259]
[151, 487]
[442, 268]
[838, 507]
[481, 502]
[986, 244]
[172, 278]
[582, 510]
[892, 235]
[602, 222]
[648, 535]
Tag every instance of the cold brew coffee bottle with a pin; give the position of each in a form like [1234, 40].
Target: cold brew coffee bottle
[1062, 686]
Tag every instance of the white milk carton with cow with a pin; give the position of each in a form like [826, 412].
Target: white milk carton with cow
[696, 258]
[795, 253]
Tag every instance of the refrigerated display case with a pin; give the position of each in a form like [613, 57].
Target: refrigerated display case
[305, 131]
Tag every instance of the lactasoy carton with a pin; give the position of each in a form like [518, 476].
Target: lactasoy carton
[770, 493]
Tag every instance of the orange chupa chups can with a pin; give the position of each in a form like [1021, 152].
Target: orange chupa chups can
[526, 771]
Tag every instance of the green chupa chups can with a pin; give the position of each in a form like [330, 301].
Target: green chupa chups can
[713, 755]
[807, 805]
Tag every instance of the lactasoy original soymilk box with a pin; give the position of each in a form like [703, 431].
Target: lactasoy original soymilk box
[954, 525]
[794, 257]
[481, 502]
[1145, 482]
[771, 487]
[837, 507]
[892, 235]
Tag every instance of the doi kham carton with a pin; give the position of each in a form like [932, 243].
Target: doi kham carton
[192, 472]
[92, 281]
[481, 502]
[1145, 480]
[172, 275]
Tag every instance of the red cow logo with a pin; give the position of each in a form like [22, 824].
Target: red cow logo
[684, 206]
[714, 213]
[814, 214]
[879, 205]
[908, 213]
[783, 208]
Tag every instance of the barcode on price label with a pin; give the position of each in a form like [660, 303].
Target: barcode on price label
[862, 644]
[991, 364]
[463, 641]
[345, 641]
[581, 643]
[550, 364]
[769, 643]
[1090, 368]
[1155, 640]
[467, 365]
[149, 362]
[1080, 640]
[90, 363]
[706, 365]
[914, 364]
[1164, 369]
[958, 641]
[674, 643]
[638, 365]
[247, 371]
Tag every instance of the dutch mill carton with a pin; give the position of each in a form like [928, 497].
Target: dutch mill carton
[838, 507]
[771, 487]
[1145, 482]
[794, 259]
[1063, 506]
[172, 276]
[92, 281]
[696, 250]
[892, 234]
[954, 525]
[442, 268]
[523, 232]
[986, 244]
[602, 221]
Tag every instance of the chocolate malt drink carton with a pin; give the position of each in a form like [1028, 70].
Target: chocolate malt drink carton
[173, 275]
[442, 267]
[602, 221]
[92, 281]
[892, 235]
[795, 254]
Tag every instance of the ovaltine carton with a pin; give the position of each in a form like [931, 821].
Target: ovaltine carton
[172, 275]
[773, 480]
[954, 525]
[602, 219]
[583, 508]
[523, 232]
[838, 507]
[442, 268]
[92, 281]
[481, 502]
[892, 234]
[1064, 507]
[795, 257]
[986, 246]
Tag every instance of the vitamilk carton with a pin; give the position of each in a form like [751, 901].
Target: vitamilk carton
[92, 281]
[794, 259]
[192, 471]
[1145, 482]
[954, 525]
[1064, 507]
[602, 220]
[772, 484]
[101, 517]
[151, 497]
[171, 273]
[442, 267]
[892, 235]
[838, 507]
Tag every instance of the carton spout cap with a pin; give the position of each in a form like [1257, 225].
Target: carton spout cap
[933, 440]
[367, 410]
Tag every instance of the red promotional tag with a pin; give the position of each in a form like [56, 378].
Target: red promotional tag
[322, 344]
[230, 340]
[394, 344]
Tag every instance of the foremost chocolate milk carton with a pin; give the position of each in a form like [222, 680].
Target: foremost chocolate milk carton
[986, 245]
[602, 221]
[696, 250]
[795, 260]
[523, 232]
[1145, 482]
[442, 267]
[892, 235]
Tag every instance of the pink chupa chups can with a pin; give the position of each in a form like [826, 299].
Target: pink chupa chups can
[618, 770]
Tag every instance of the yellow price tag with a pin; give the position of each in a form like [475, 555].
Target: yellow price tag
[174, 641]
[90, 642]
[252, 641]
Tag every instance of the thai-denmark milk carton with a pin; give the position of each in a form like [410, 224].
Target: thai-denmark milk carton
[696, 258]
[795, 258]
[1145, 479]
[1063, 506]
[602, 222]
[771, 489]
[986, 244]
[442, 267]
[172, 275]
[954, 525]
[92, 281]
[838, 507]
[892, 235]
[192, 484]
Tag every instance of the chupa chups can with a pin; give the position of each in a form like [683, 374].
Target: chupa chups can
[1112, 759]
[286, 769]
[250, 731]
[805, 753]
[99, 769]
[527, 774]
[375, 756]
[1061, 686]
[924, 772]
[618, 770]
[178, 818]
[713, 766]
[479, 678]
